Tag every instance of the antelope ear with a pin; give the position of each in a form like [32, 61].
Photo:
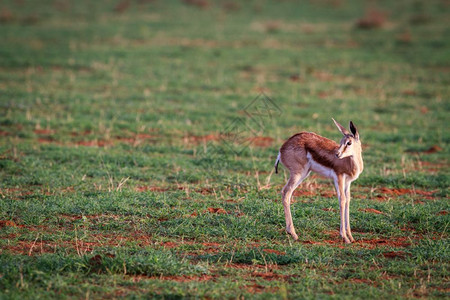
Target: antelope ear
[340, 127]
[354, 130]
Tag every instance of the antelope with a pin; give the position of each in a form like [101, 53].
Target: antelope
[305, 152]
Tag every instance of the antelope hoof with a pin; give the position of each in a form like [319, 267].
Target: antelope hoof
[293, 234]
[346, 240]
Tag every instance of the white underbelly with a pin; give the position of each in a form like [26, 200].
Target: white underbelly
[320, 169]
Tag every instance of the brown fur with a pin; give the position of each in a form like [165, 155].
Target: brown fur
[322, 150]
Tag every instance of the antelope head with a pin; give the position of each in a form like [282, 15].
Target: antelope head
[350, 144]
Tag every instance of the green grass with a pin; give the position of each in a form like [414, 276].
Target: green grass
[116, 179]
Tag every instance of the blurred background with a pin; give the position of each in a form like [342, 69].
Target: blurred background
[160, 80]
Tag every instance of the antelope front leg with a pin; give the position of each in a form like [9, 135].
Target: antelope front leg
[339, 184]
[347, 213]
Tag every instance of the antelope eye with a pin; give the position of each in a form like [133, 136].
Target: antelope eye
[349, 143]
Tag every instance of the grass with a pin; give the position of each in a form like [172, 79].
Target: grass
[117, 179]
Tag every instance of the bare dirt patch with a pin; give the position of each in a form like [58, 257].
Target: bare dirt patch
[329, 209]
[255, 288]
[433, 149]
[197, 139]
[7, 223]
[373, 18]
[169, 245]
[216, 210]
[373, 211]
[384, 193]
[47, 140]
[360, 280]
[262, 141]
[150, 188]
[252, 267]
[273, 251]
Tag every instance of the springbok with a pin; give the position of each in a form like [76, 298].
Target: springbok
[305, 152]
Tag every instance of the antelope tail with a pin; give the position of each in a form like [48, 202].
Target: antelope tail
[276, 163]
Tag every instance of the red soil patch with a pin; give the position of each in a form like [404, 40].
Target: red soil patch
[254, 245]
[382, 198]
[200, 138]
[396, 254]
[203, 4]
[328, 194]
[211, 247]
[442, 213]
[231, 201]
[274, 251]
[17, 192]
[328, 209]
[252, 267]
[433, 149]
[262, 141]
[169, 245]
[150, 188]
[215, 210]
[3, 133]
[374, 211]
[39, 247]
[144, 136]
[409, 93]
[180, 278]
[205, 191]
[231, 6]
[47, 141]
[402, 191]
[294, 78]
[360, 280]
[7, 223]
[373, 18]
[308, 242]
[211, 244]
[184, 278]
[126, 140]
[304, 193]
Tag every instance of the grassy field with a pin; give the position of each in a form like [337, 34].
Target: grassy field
[137, 143]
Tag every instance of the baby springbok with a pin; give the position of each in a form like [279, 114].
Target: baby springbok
[305, 152]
